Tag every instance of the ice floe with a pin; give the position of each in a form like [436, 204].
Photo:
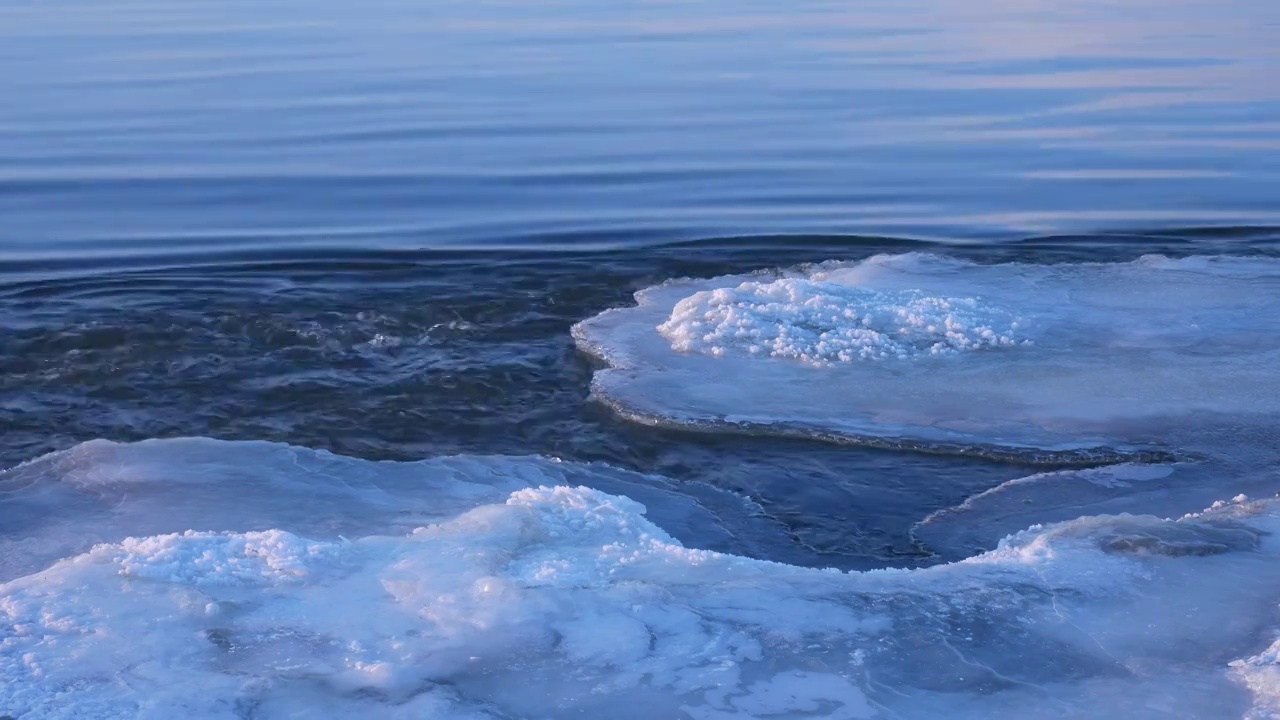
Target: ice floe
[1086, 361]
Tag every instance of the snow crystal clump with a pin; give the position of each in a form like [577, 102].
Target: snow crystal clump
[823, 323]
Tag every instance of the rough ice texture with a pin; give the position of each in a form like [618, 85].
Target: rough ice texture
[1063, 358]
[1261, 674]
[559, 602]
[197, 558]
[102, 492]
[821, 323]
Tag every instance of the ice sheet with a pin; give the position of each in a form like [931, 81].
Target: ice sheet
[62, 504]
[916, 350]
[1232, 461]
[561, 601]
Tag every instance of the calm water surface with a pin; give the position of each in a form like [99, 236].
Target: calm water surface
[229, 128]
[367, 227]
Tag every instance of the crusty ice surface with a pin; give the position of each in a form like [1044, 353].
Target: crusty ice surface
[939, 351]
[515, 600]
[823, 322]
[63, 503]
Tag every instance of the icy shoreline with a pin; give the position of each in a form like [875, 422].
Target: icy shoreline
[554, 601]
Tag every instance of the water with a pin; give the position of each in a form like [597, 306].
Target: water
[233, 129]
[369, 229]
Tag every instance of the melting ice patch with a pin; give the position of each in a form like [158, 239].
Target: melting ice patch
[558, 601]
[822, 322]
[1071, 359]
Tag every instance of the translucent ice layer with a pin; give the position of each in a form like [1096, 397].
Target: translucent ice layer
[1036, 361]
[561, 601]
[63, 503]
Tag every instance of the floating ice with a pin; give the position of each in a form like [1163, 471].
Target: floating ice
[1035, 361]
[558, 601]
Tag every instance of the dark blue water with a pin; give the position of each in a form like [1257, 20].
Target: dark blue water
[368, 227]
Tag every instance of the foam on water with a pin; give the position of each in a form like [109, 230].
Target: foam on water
[1090, 360]
[560, 601]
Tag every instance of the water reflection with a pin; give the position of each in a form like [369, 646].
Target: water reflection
[497, 122]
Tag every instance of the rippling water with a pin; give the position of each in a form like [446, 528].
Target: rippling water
[232, 129]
